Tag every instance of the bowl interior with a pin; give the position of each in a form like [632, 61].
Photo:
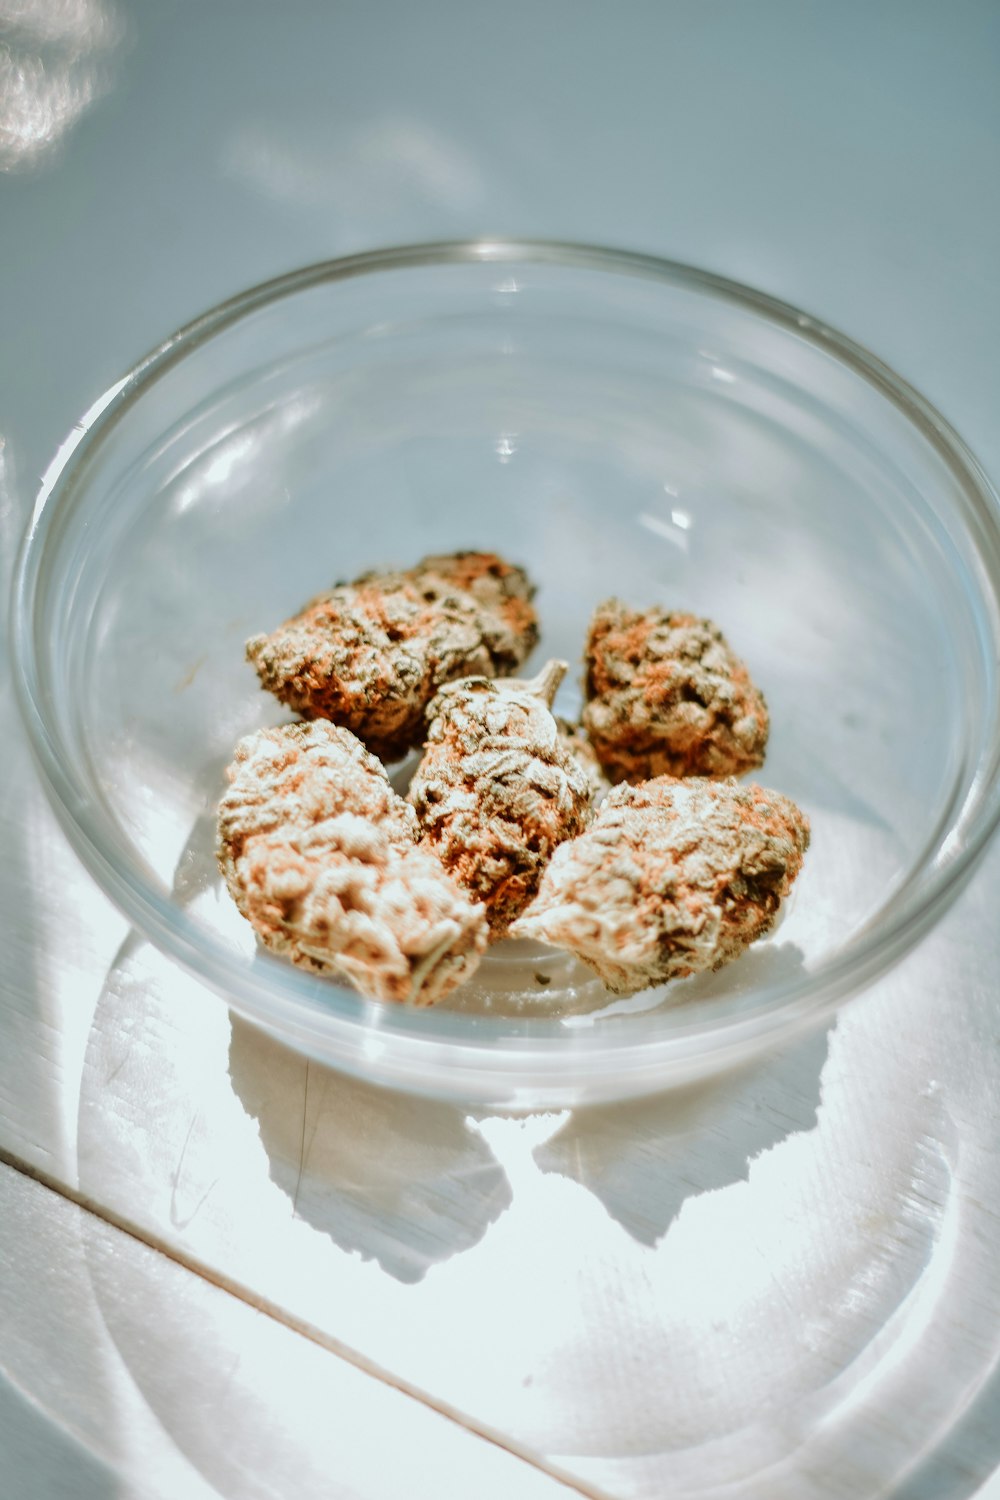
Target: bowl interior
[616, 431]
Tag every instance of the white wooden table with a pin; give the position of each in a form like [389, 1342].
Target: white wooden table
[227, 1272]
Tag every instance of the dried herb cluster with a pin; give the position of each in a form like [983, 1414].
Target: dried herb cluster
[371, 654]
[667, 697]
[673, 877]
[511, 824]
[321, 856]
[498, 789]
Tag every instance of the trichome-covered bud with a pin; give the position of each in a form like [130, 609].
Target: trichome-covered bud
[498, 789]
[370, 655]
[319, 854]
[673, 877]
[667, 696]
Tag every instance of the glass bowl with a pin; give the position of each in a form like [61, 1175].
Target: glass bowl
[619, 424]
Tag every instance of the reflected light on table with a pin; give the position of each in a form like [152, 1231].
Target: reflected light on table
[365, 174]
[53, 65]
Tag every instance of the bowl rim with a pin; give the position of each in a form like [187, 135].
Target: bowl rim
[479, 1067]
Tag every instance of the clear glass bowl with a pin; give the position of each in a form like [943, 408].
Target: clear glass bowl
[622, 425]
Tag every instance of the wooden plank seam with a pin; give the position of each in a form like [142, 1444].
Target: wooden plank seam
[306, 1330]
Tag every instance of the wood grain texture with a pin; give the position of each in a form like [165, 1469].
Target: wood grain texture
[124, 1374]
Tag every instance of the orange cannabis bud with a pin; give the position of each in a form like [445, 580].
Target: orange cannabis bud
[319, 855]
[673, 877]
[667, 696]
[370, 655]
[498, 788]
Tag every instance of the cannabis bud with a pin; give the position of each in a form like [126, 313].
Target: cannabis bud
[319, 854]
[499, 788]
[370, 655]
[673, 877]
[667, 697]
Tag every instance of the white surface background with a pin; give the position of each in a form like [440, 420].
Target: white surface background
[792, 1287]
